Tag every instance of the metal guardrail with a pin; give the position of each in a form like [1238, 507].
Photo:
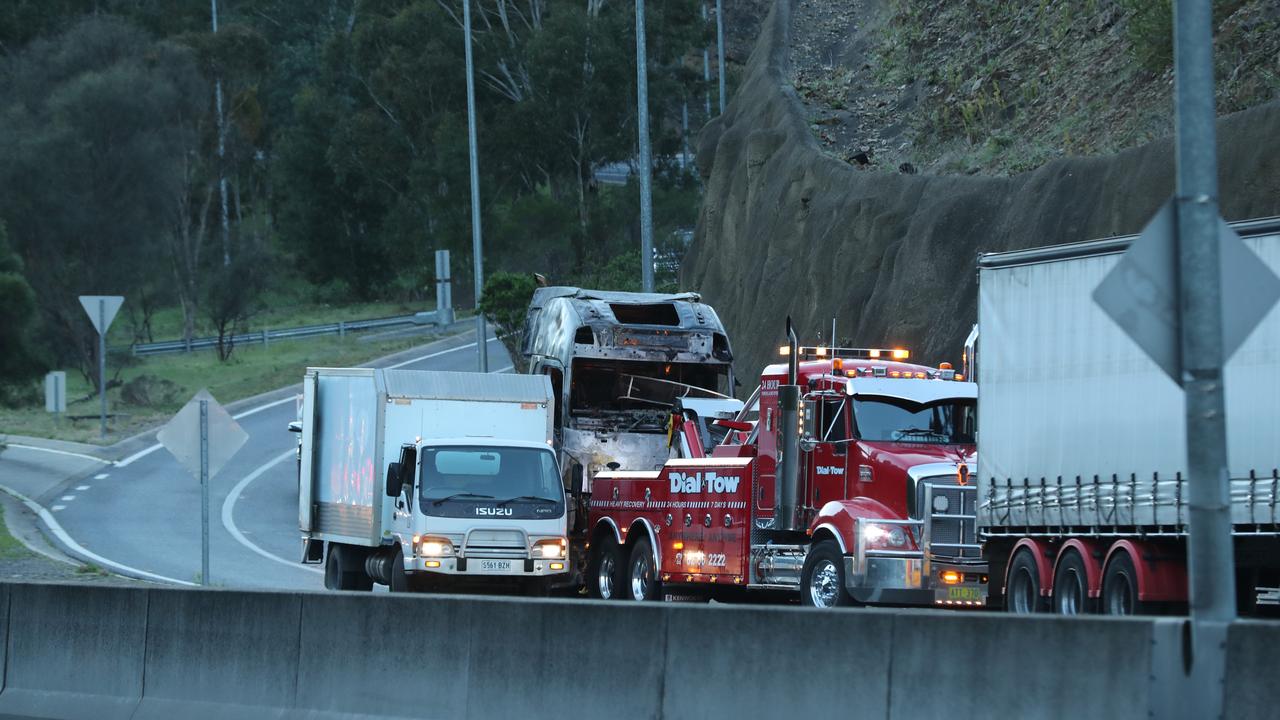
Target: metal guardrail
[264, 337]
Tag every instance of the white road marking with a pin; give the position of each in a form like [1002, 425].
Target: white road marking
[101, 476]
[435, 354]
[56, 508]
[229, 521]
[138, 456]
[67, 498]
[82, 488]
[60, 452]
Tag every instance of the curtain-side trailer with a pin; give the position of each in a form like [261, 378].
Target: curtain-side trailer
[1082, 443]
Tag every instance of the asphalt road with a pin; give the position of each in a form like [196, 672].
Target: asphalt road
[142, 515]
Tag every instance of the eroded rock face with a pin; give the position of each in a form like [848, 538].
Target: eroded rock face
[785, 229]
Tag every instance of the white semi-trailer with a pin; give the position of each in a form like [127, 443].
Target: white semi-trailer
[419, 480]
[1082, 447]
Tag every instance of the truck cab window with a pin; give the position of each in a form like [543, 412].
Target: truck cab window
[835, 424]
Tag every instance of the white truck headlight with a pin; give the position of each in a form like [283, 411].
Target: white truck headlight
[435, 547]
[553, 549]
[877, 535]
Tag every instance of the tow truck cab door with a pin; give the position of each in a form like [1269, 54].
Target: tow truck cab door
[826, 468]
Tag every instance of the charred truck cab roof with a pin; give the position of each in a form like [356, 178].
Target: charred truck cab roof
[617, 362]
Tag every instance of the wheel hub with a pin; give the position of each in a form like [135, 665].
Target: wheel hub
[824, 586]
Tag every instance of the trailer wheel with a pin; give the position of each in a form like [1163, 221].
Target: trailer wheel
[344, 569]
[822, 582]
[1022, 593]
[1071, 586]
[642, 574]
[604, 569]
[1120, 587]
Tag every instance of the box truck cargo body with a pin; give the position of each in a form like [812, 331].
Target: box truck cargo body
[411, 478]
[1082, 445]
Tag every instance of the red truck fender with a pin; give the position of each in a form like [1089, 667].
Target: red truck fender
[645, 529]
[839, 519]
[606, 525]
[1162, 577]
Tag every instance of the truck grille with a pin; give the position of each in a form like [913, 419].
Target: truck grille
[483, 543]
[952, 534]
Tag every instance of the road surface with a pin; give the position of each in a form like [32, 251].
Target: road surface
[141, 516]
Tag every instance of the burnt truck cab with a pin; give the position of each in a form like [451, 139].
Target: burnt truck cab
[885, 451]
[617, 361]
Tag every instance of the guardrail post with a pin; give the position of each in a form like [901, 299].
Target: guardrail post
[342, 329]
[265, 338]
[187, 343]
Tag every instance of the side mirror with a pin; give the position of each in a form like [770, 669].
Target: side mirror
[808, 443]
[295, 426]
[395, 484]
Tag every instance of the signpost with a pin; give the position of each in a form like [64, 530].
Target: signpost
[102, 310]
[202, 437]
[1189, 292]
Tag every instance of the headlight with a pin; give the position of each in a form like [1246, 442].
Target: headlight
[884, 535]
[435, 547]
[941, 504]
[553, 549]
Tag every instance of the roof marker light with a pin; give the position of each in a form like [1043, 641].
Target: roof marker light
[901, 354]
[784, 350]
[873, 354]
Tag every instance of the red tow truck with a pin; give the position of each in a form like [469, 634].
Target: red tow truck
[845, 479]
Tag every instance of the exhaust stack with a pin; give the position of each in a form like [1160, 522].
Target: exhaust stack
[789, 441]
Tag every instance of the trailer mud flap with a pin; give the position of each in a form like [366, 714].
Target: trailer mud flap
[312, 551]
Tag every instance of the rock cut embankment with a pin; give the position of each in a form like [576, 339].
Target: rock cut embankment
[787, 230]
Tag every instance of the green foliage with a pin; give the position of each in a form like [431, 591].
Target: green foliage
[19, 363]
[1150, 32]
[504, 303]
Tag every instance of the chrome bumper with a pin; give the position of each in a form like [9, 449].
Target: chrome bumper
[471, 567]
[911, 579]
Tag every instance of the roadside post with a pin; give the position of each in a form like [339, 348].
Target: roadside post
[55, 393]
[202, 437]
[1189, 293]
[102, 310]
[444, 290]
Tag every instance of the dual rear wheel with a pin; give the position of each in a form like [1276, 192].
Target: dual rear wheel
[1070, 590]
[622, 573]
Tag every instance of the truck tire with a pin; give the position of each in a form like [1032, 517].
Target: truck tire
[822, 581]
[642, 574]
[1022, 592]
[399, 580]
[1120, 588]
[344, 569]
[604, 569]
[1071, 586]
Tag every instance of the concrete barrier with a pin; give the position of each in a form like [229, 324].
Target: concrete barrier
[73, 651]
[105, 653]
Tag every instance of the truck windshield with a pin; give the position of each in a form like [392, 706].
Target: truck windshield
[462, 477]
[883, 419]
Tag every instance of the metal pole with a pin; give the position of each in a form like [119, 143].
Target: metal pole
[1209, 553]
[720, 50]
[482, 335]
[646, 192]
[102, 363]
[222, 149]
[706, 70]
[204, 492]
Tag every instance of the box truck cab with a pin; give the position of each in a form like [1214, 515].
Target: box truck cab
[420, 480]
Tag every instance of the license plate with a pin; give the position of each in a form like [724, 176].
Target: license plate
[494, 566]
[965, 593]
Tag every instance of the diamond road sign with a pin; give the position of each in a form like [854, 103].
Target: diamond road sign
[181, 435]
[102, 310]
[1141, 292]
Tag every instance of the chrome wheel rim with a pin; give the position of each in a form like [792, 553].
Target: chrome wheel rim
[641, 576]
[824, 585]
[604, 579]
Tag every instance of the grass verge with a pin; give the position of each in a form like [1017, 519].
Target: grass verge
[152, 389]
[10, 547]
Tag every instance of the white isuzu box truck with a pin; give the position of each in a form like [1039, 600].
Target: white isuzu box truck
[421, 479]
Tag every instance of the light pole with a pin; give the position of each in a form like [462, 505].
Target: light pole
[482, 344]
[720, 50]
[646, 192]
